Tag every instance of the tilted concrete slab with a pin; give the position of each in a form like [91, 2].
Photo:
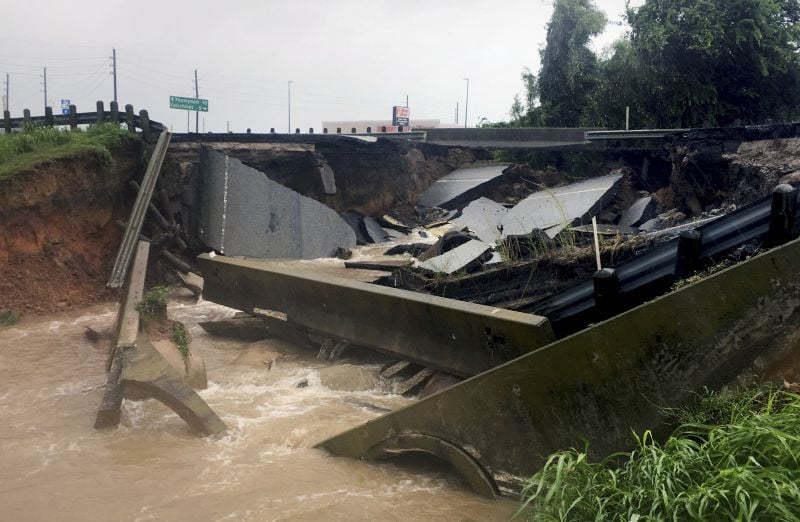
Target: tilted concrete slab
[483, 217]
[452, 336]
[244, 213]
[601, 383]
[643, 209]
[552, 210]
[471, 254]
[462, 186]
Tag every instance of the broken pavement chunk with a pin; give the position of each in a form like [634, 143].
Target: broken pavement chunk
[553, 210]
[374, 231]
[483, 217]
[245, 213]
[466, 257]
[643, 209]
[462, 186]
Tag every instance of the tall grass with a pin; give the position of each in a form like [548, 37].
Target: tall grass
[37, 144]
[737, 458]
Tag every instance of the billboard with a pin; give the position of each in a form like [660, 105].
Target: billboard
[401, 116]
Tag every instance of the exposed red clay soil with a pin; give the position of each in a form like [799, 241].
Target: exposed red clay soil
[58, 238]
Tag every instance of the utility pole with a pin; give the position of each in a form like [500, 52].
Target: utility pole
[196, 113]
[45, 86]
[466, 105]
[290, 106]
[114, 70]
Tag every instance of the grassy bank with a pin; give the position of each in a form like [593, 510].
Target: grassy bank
[20, 151]
[732, 458]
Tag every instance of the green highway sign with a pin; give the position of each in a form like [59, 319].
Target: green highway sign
[188, 104]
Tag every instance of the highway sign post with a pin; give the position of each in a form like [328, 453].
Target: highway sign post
[188, 104]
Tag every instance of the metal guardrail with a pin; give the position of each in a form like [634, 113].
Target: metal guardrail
[639, 134]
[659, 264]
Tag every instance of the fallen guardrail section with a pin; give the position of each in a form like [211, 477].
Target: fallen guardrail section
[613, 290]
[135, 363]
[460, 338]
[597, 385]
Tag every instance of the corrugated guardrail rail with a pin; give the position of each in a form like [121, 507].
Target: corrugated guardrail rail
[658, 265]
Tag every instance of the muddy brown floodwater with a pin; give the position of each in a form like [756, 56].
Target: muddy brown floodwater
[55, 466]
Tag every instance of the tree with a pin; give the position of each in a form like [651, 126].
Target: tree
[716, 61]
[569, 71]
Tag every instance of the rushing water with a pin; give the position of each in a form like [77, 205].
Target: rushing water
[55, 466]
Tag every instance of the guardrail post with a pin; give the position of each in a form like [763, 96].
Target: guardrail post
[73, 117]
[114, 112]
[100, 112]
[690, 247]
[129, 119]
[144, 121]
[48, 116]
[7, 121]
[26, 116]
[607, 300]
[781, 216]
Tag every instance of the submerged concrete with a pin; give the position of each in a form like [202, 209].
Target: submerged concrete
[452, 336]
[603, 382]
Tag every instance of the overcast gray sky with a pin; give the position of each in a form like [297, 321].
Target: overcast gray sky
[348, 59]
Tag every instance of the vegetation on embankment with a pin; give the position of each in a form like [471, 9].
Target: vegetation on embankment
[732, 458]
[20, 151]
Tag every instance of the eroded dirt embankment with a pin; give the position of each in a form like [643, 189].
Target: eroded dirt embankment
[58, 236]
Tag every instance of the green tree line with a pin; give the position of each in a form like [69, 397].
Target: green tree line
[682, 63]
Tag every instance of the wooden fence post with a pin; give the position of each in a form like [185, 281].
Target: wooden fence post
[114, 112]
[144, 121]
[129, 118]
[73, 117]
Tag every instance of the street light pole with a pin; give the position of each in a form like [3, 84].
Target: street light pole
[466, 104]
[290, 106]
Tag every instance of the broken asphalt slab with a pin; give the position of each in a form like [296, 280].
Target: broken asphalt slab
[552, 210]
[462, 186]
[245, 213]
[465, 257]
[483, 217]
[643, 209]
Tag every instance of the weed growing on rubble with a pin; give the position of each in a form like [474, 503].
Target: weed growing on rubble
[37, 144]
[180, 338]
[153, 304]
[735, 457]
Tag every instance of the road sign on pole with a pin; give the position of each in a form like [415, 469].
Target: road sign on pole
[188, 104]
